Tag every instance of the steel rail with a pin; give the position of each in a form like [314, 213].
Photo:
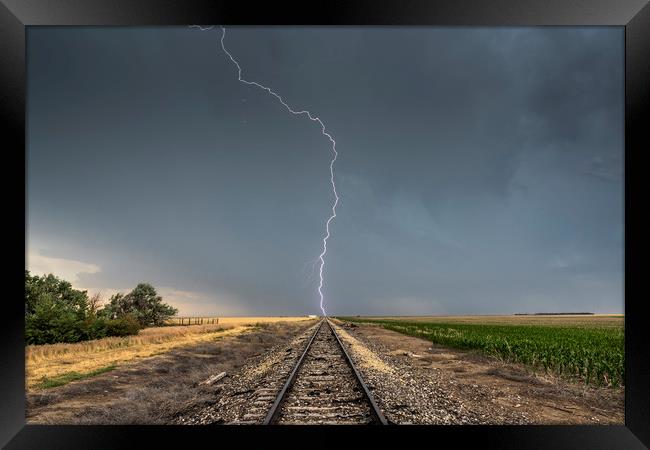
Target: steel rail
[376, 412]
[272, 415]
[275, 408]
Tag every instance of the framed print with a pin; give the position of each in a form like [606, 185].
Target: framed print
[269, 219]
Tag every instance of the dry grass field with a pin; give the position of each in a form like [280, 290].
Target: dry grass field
[156, 389]
[213, 320]
[53, 364]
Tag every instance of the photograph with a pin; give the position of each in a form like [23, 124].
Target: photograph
[325, 225]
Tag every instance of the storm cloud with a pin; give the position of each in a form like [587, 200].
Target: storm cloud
[480, 169]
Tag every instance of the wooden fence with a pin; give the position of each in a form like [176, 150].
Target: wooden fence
[193, 321]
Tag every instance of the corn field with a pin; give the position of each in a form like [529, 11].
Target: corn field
[593, 355]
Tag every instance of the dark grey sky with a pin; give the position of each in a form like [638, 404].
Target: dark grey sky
[480, 170]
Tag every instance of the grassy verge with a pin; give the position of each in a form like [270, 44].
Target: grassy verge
[592, 355]
[52, 361]
[67, 377]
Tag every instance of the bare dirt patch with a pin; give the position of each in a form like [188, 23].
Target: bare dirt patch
[441, 385]
[158, 389]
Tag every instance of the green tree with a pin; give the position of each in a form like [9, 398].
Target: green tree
[143, 303]
[54, 290]
[117, 307]
[54, 311]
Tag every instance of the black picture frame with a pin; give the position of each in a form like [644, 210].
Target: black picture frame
[634, 15]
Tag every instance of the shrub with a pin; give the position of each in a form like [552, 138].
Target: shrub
[94, 328]
[124, 326]
[52, 322]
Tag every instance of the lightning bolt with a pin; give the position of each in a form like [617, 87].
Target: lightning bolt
[321, 257]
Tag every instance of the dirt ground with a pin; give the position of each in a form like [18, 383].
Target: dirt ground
[157, 389]
[493, 391]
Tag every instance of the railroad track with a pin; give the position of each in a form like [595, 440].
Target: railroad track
[324, 387]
